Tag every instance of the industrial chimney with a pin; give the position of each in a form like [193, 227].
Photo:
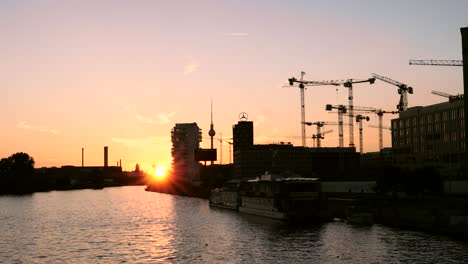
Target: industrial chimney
[106, 156]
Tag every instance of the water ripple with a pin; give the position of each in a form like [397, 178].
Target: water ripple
[129, 225]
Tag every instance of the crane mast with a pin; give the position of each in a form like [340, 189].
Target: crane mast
[437, 62]
[403, 90]
[349, 84]
[302, 109]
[359, 119]
[380, 113]
[341, 110]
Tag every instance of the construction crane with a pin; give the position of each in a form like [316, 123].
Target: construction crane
[451, 97]
[346, 83]
[437, 62]
[221, 140]
[320, 136]
[302, 85]
[349, 84]
[403, 90]
[359, 119]
[341, 111]
[319, 125]
[379, 113]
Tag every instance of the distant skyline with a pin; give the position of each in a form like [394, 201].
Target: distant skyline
[121, 73]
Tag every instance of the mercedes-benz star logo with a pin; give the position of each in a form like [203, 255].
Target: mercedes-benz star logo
[243, 116]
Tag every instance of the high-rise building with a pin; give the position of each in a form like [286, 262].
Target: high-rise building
[186, 138]
[243, 135]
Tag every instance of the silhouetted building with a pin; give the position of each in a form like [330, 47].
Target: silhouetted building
[464, 33]
[243, 136]
[254, 161]
[186, 138]
[382, 158]
[307, 162]
[433, 135]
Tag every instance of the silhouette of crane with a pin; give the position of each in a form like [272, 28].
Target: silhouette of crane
[320, 136]
[341, 111]
[319, 125]
[302, 85]
[349, 84]
[437, 62]
[403, 90]
[359, 119]
[221, 140]
[451, 97]
[379, 113]
[346, 83]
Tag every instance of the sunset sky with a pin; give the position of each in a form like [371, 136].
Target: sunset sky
[91, 74]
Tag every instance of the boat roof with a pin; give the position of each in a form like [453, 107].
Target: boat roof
[292, 179]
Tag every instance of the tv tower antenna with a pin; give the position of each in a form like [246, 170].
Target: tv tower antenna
[212, 132]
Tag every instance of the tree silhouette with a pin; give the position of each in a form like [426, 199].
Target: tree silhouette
[16, 173]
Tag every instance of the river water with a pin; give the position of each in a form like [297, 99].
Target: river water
[129, 225]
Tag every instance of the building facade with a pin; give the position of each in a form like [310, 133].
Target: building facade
[243, 135]
[186, 138]
[432, 136]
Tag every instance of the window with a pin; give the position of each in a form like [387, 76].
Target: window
[429, 118]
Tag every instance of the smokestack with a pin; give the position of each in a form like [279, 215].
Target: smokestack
[82, 157]
[106, 156]
[120, 163]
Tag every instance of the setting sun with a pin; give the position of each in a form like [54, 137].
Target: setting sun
[160, 172]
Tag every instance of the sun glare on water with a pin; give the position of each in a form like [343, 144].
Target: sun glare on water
[160, 172]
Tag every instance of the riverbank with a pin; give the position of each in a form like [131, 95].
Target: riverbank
[447, 215]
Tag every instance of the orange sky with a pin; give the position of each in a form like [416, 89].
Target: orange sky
[121, 73]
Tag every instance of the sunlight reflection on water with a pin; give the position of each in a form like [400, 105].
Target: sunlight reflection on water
[127, 224]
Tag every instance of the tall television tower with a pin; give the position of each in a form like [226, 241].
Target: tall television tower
[212, 132]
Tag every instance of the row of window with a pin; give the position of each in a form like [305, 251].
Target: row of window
[429, 129]
[421, 140]
[453, 114]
